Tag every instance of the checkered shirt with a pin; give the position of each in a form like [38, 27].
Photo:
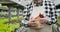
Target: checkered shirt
[49, 10]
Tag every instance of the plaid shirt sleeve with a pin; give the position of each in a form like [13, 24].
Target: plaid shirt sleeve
[26, 13]
[51, 12]
[25, 20]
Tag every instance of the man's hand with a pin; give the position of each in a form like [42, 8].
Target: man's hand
[44, 20]
[32, 22]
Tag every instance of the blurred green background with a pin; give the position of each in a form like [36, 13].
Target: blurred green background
[5, 24]
[9, 27]
[58, 21]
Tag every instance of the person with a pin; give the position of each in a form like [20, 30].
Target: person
[49, 11]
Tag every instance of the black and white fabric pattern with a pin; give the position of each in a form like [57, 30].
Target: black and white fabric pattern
[49, 10]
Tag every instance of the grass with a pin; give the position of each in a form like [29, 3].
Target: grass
[9, 27]
[58, 21]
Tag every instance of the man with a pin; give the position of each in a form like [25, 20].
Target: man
[49, 20]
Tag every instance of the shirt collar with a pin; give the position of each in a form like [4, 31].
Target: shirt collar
[38, 4]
